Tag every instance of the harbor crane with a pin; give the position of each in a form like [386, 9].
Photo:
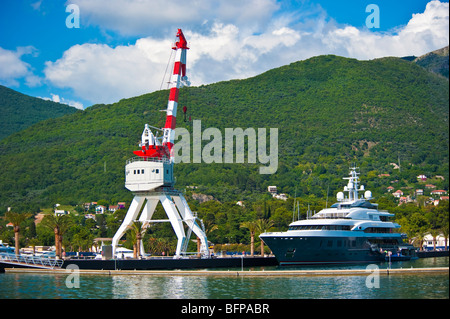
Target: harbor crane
[150, 177]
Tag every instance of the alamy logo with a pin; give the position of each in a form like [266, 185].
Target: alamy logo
[73, 279]
[259, 149]
[373, 19]
[373, 280]
[73, 19]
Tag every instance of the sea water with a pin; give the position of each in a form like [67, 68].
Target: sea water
[405, 286]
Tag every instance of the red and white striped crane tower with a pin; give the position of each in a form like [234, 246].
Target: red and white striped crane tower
[150, 147]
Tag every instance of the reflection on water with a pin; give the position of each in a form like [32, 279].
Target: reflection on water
[165, 287]
[230, 287]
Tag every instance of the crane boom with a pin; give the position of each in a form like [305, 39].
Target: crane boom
[150, 146]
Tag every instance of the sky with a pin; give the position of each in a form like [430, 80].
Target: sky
[85, 52]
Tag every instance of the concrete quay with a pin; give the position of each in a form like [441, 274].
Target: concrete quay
[234, 273]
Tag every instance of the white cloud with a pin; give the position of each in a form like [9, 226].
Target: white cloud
[424, 32]
[223, 50]
[137, 17]
[12, 68]
[99, 73]
[56, 98]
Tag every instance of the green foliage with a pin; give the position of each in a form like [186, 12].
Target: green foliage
[330, 112]
[436, 61]
[19, 111]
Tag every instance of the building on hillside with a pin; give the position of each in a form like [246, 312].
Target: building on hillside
[60, 212]
[398, 194]
[280, 196]
[272, 190]
[113, 208]
[100, 209]
[87, 206]
[439, 192]
[429, 242]
[404, 200]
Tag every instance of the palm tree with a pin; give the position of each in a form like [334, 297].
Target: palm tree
[262, 225]
[136, 236]
[209, 228]
[33, 242]
[59, 224]
[16, 219]
[445, 233]
[166, 246]
[434, 233]
[252, 227]
[420, 236]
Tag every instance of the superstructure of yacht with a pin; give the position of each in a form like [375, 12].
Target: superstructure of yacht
[350, 231]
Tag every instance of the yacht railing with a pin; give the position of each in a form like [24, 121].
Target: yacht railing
[331, 216]
[148, 159]
[31, 261]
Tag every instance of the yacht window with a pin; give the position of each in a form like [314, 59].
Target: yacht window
[378, 230]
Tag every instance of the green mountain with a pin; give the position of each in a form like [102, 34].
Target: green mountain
[330, 112]
[19, 111]
[436, 61]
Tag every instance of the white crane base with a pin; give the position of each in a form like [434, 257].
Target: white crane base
[146, 174]
[177, 210]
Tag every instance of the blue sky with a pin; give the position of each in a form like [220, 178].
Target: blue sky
[122, 47]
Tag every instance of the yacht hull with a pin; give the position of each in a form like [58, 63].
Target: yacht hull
[291, 250]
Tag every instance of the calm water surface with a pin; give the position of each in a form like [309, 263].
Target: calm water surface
[53, 286]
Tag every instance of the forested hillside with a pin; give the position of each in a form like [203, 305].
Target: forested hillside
[330, 112]
[436, 61]
[19, 111]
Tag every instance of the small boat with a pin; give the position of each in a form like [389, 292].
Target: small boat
[6, 249]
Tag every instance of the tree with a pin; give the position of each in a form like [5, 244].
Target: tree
[262, 225]
[434, 233]
[420, 236]
[33, 242]
[252, 227]
[209, 228]
[16, 219]
[59, 224]
[445, 233]
[136, 231]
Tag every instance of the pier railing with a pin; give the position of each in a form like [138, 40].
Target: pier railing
[30, 261]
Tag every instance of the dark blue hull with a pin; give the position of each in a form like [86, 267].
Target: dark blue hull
[322, 250]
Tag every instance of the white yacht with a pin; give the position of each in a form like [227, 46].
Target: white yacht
[351, 230]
